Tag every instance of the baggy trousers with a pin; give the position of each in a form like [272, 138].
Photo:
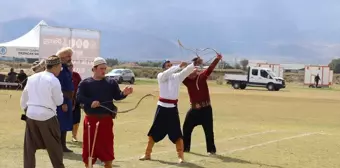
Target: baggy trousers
[43, 135]
[166, 122]
[195, 117]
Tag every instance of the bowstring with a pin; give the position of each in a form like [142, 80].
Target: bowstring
[197, 51]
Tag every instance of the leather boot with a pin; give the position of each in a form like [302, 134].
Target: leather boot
[108, 164]
[147, 155]
[63, 142]
[179, 149]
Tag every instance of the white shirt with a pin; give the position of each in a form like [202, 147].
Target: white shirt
[41, 95]
[169, 83]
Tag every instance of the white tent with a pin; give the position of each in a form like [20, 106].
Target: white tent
[26, 46]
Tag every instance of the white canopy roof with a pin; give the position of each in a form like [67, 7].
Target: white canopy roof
[30, 39]
[26, 46]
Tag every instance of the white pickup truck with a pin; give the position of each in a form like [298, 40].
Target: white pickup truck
[256, 77]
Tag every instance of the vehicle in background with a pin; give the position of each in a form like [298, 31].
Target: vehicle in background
[122, 75]
[276, 68]
[256, 77]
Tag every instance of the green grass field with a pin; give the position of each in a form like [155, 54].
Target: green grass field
[293, 128]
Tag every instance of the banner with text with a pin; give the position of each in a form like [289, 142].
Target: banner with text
[19, 52]
[85, 44]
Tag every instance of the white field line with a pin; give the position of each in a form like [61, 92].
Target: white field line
[270, 142]
[200, 144]
[253, 146]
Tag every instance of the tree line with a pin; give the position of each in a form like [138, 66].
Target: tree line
[335, 65]
[222, 65]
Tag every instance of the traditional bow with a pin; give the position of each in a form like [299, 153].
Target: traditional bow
[197, 51]
[128, 110]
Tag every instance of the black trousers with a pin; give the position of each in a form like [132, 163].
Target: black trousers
[195, 117]
[166, 122]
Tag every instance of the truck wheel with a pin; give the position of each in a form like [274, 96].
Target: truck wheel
[243, 86]
[270, 87]
[236, 85]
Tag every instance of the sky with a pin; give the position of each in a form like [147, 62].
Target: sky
[305, 14]
[309, 24]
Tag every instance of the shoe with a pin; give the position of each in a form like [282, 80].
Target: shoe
[145, 157]
[180, 160]
[211, 153]
[74, 139]
[63, 143]
[66, 150]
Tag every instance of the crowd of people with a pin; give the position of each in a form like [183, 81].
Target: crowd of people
[53, 96]
[13, 77]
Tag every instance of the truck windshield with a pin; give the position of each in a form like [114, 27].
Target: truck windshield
[271, 73]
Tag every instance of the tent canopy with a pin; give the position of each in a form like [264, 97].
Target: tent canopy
[26, 46]
[30, 39]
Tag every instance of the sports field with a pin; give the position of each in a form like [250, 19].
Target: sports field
[293, 128]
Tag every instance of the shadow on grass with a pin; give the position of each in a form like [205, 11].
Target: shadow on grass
[266, 90]
[234, 160]
[73, 156]
[75, 144]
[185, 164]
[78, 157]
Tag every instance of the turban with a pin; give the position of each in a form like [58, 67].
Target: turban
[38, 66]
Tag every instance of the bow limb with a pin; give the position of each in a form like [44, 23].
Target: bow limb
[192, 50]
[209, 49]
[125, 111]
[140, 100]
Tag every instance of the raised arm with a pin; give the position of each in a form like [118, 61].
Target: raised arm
[163, 76]
[57, 94]
[24, 98]
[81, 96]
[211, 67]
[117, 93]
[185, 72]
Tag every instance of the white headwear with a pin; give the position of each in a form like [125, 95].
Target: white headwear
[38, 66]
[98, 61]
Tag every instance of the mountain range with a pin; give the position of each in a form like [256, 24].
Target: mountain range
[264, 31]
